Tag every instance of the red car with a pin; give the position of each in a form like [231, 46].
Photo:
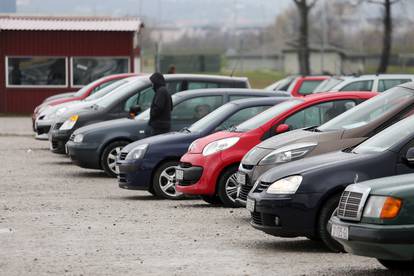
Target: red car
[83, 93]
[210, 165]
[303, 86]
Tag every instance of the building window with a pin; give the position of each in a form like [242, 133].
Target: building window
[88, 69]
[36, 71]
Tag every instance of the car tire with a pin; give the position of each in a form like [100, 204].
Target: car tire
[322, 227]
[397, 265]
[227, 187]
[108, 157]
[164, 181]
[214, 200]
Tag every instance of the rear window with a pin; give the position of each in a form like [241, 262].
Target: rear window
[308, 87]
[388, 84]
[365, 85]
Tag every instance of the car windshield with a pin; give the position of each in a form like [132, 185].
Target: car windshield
[281, 85]
[267, 115]
[328, 84]
[387, 138]
[206, 121]
[370, 110]
[86, 88]
[121, 92]
[106, 90]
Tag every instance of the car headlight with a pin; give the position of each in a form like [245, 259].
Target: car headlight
[287, 153]
[138, 152]
[287, 185]
[220, 145]
[78, 138]
[382, 207]
[69, 123]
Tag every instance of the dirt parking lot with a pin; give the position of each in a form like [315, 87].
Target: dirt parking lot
[56, 218]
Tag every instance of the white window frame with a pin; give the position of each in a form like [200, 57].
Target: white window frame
[95, 57]
[66, 85]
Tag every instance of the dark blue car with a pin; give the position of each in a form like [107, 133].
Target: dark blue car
[149, 164]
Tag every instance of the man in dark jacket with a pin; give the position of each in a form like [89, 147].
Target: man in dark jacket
[161, 106]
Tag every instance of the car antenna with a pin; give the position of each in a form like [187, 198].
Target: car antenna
[356, 178]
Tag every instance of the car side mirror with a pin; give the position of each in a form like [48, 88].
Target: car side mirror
[410, 156]
[134, 110]
[282, 128]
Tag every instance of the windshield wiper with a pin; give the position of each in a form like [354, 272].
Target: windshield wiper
[232, 128]
[313, 128]
[185, 129]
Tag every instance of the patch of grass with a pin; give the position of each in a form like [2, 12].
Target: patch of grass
[391, 70]
[259, 79]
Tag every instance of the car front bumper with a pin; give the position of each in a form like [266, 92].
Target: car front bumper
[200, 174]
[134, 174]
[387, 242]
[58, 140]
[285, 215]
[84, 155]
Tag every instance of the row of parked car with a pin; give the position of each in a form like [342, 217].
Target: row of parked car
[287, 153]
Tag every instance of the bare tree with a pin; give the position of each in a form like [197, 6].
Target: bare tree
[304, 6]
[387, 35]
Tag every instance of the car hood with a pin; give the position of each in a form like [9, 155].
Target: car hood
[78, 109]
[59, 96]
[315, 164]
[164, 139]
[113, 126]
[400, 186]
[255, 155]
[202, 142]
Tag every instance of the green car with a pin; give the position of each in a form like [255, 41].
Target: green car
[376, 219]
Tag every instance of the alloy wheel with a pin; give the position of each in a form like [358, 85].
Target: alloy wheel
[231, 187]
[167, 182]
[111, 159]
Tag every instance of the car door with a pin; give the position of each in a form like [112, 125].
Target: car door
[318, 114]
[385, 84]
[192, 109]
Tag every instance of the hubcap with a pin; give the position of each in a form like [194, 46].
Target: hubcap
[231, 187]
[111, 159]
[167, 182]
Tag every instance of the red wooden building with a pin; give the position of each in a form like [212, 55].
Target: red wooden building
[41, 56]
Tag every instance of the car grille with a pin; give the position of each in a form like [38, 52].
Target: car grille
[72, 137]
[352, 201]
[262, 186]
[122, 178]
[247, 167]
[257, 218]
[57, 126]
[123, 155]
[244, 191]
[43, 130]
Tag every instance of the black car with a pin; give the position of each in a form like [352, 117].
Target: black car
[299, 198]
[118, 104]
[96, 146]
[149, 164]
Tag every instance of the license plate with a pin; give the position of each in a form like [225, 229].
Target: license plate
[241, 178]
[179, 174]
[340, 232]
[250, 204]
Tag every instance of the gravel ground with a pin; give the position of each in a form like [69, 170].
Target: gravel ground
[56, 218]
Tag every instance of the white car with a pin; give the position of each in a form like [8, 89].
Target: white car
[48, 114]
[374, 83]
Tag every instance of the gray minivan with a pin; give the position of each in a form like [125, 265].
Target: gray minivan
[344, 131]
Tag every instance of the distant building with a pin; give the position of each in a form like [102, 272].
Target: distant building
[332, 60]
[45, 55]
[266, 57]
[7, 6]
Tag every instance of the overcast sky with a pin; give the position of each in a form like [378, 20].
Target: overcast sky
[182, 12]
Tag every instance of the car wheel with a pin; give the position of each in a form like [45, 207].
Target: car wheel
[227, 187]
[214, 200]
[325, 214]
[109, 155]
[164, 181]
[397, 265]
